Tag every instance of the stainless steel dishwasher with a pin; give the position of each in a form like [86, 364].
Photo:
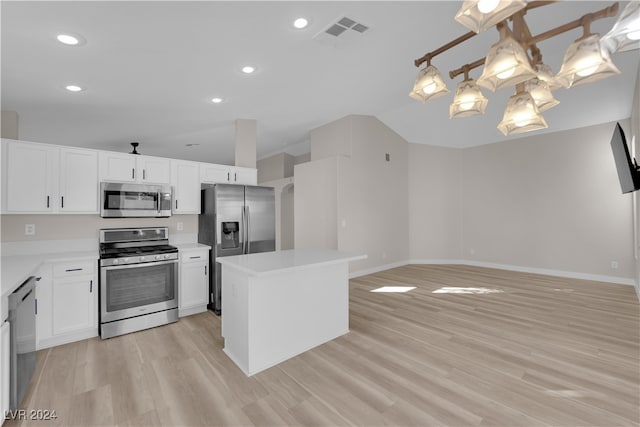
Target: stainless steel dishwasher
[22, 320]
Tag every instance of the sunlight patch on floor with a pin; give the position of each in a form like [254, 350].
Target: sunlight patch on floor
[453, 290]
[391, 289]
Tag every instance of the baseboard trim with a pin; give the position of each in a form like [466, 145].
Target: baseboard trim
[354, 274]
[544, 271]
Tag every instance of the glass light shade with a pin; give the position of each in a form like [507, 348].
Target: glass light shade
[521, 115]
[586, 61]
[479, 15]
[468, 100]
[428, 85]
[506, 64]
[541, 94]
[546, 75]
[625, 34]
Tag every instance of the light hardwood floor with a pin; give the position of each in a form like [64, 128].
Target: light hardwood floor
[534, 350]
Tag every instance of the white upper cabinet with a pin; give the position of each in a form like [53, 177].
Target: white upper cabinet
[30, 176]
[213, 174]
[153, 170]
[42, 178]
[78, 180]
[185, 177]
[122, 167]
[246, 176]
[223, 174]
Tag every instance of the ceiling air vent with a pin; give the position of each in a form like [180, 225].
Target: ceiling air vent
[341, 30]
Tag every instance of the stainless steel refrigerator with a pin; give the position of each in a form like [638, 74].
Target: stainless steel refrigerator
[235, 220]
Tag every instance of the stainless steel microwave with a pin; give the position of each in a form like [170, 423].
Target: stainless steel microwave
[118, 200]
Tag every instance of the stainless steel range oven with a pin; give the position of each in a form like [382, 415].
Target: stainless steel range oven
[138, 280]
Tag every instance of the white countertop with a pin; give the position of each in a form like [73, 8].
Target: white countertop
[294, 259]
[16, 269]
[190, 246]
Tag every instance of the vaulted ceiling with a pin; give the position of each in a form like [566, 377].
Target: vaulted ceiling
[150, 70]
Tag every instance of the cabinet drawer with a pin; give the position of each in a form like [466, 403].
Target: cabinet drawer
[74, 268]
[194, 256]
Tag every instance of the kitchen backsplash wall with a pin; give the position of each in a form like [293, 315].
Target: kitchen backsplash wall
[67, 227]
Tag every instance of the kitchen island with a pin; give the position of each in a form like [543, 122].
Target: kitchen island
[276, 305]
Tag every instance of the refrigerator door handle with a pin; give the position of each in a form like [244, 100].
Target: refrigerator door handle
[248, 240]
[244, 231]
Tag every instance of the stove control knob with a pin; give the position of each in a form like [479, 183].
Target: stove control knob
[115, 261]
[167, 256]
[125, 259]
[141, 258]
[158, 256]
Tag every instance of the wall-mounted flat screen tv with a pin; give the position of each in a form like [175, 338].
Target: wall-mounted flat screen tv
[627, 168]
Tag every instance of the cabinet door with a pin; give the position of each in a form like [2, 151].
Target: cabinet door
[154, 170]
[5, 365]
[194, 284]
[44, 300]
[245, 176]
[31, 170]
[186, 187]
[73, 304]
[118, 167]
[78, 180]
[213, 174]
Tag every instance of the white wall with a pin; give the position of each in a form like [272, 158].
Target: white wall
[435, 203]
[316, 204]
[635, 132]
[549, 201]
[349, 197]
[275, 167]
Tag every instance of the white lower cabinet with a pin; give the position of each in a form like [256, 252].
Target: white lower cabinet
[5, 365]
[194, 281]
[67, 302]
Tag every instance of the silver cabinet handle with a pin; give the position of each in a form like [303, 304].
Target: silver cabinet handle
[176, 204]
[62, 201]
[133, 173]
[228, 176]
[235, 176]
[144, 174]
[90, 286]
[73, 269]
[47, 201]
[205, 270]
[194, 257]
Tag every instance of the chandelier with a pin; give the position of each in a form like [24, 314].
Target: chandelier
[515, 61]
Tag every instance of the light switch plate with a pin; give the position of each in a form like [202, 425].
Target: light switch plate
[30, 229]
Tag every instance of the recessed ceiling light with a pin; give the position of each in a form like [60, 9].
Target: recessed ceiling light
[71, 39]
[68, 39]
[300, 23]
[74, 88]
[248, 69]
[216, 100]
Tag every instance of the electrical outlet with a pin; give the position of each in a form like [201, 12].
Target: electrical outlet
[614, 264]
[180, 226]
[387, 157]
[30, 229]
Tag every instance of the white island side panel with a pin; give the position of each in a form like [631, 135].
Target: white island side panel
[268, 319]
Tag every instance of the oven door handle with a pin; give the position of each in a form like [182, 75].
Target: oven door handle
[140, 264]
